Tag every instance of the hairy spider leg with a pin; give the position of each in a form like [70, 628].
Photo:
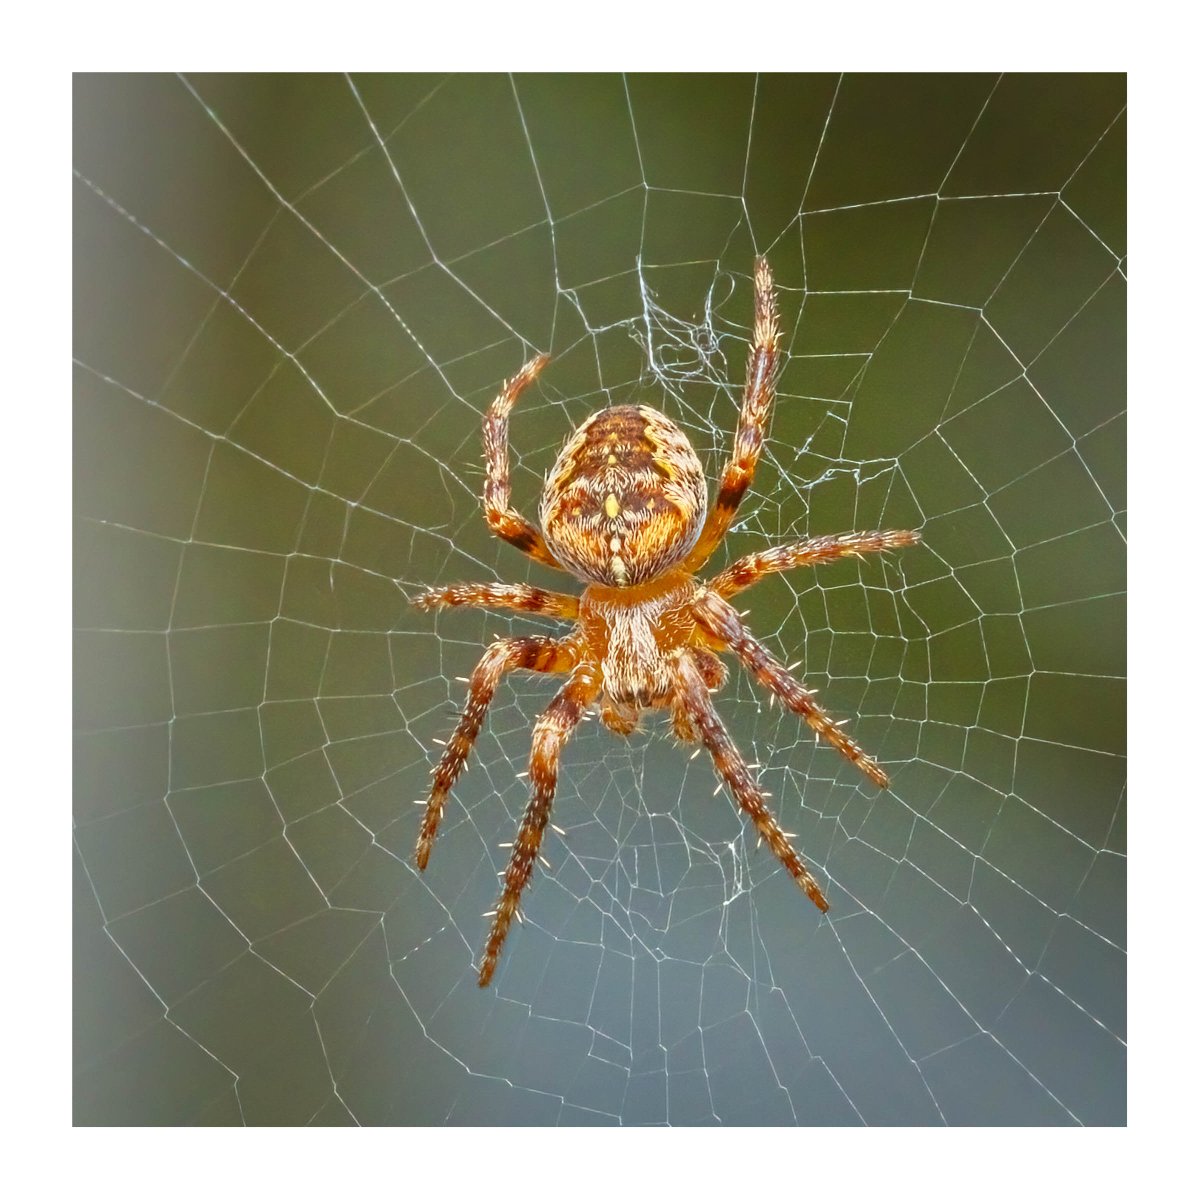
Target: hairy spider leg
[508, 654]
[750, 568]
[714, 673]
[731, 766]
[720, 620]
[504, 520]
[757, 398]
[518, 596]
[550, 734]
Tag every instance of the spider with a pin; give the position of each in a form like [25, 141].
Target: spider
[624, 510]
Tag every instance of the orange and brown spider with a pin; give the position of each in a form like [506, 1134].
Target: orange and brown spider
[624, 510]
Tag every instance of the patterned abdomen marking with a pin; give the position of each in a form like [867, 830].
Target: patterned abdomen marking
[626, 497]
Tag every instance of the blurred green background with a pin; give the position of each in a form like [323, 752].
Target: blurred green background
[294, 298]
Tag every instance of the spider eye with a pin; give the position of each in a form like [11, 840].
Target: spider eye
[626, 497]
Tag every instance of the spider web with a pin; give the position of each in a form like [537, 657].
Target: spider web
[295, 296]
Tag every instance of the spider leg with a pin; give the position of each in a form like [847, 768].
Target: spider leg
[720, 621]
[507, 654]
[749, 569]
[504, 520]
[550, 734]
[714, 674]
[518, 596]
[731, 766]
[757, 398]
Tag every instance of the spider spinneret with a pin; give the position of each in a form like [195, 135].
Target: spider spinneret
[624, 510]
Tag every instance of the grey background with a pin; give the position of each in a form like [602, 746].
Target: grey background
[294, 298]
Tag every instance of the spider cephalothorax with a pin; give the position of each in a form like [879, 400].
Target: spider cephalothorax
[624, 510]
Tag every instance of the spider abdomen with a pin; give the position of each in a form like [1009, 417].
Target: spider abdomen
[626, 497]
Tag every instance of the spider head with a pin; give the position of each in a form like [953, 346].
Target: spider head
[625, 499]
